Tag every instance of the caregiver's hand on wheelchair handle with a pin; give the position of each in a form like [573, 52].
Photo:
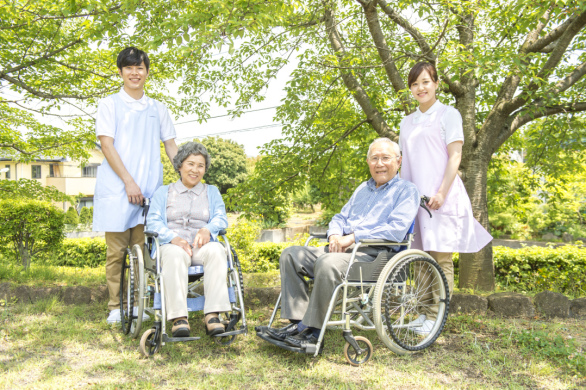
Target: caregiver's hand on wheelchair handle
[183, 244]
[133, 192]
[201, 238]
[338, 244]
[436, 201]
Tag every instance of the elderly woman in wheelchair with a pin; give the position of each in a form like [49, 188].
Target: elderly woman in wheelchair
[187, 216]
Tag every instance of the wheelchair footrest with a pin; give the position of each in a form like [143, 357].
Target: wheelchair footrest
[232, 332]
[167, 339]
[309, 350]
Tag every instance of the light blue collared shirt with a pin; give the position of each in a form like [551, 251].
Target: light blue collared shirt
[384, 213]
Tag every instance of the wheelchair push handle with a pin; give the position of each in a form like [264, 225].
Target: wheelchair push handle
[423, 202]
[146, 202]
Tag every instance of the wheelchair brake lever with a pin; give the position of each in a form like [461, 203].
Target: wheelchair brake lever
[423, 202]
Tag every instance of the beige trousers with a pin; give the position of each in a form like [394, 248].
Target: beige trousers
[431, 296]
[175, 262]
[117, 242]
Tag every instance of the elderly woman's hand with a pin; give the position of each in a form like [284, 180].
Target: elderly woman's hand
[183, 244]
[201, 238]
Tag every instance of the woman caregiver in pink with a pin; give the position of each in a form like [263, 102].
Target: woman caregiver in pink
[431, 140]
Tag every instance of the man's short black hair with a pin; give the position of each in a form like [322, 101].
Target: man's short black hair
[132, 56]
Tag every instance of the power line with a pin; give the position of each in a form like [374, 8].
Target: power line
[221, 116]
[231, 131]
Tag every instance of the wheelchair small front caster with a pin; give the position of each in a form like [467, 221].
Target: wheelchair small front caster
[352, 355]
[150, 342]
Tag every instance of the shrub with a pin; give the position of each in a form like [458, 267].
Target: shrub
[31, 189]
[534, 268]
[77, 252]
[28, 227]
[257, 256]
[71, 217]
[86, 215]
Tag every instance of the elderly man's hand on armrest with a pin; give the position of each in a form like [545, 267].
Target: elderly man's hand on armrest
[338, 244]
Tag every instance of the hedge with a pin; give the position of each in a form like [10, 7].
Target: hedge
[77, 252]
[528, 269]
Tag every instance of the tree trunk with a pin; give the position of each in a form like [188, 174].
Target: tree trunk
[476, 269]
[24, 256]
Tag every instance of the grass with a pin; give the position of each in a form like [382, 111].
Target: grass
[47, 275]
[48, 345]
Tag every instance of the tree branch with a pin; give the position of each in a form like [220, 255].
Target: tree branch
[570, 79]
[76, 16]
[373, 116]
[384, 52]
[515, 122]
[540, 44]
[44, 95]
[552, 62]
[22, 151]
[426, 50]
[37, 60]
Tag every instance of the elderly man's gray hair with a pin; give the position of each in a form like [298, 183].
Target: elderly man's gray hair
[395, 146]
[187, 150]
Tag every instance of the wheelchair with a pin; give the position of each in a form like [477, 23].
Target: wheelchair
[386, 294]
[141, 291]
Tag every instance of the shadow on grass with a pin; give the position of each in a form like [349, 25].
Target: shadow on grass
[47, 344]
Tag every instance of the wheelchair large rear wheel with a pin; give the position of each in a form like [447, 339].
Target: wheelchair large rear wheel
[137, 260]
[127, 293]
[411, 285]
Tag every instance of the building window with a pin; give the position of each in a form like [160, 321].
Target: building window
[89, 171]
[8, 171]
[36, 172]
[51, 171]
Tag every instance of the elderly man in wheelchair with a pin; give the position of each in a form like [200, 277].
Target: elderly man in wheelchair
[368, 231]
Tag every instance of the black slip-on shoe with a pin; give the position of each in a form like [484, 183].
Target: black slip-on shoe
[283, 333]
[301, 339]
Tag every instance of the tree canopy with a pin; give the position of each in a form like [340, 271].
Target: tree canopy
[57, 58]
[502, 64]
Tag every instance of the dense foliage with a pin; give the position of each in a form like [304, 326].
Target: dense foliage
[71, 217]
[86, 215]
[77, 252]
[28, 227]
[31, 189]
[228, 167]
[543, 189]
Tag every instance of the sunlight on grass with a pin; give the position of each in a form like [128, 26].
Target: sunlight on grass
[50, 345]
[46, 275]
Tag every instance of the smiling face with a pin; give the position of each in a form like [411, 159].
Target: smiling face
[134, 77]
[192, 170]
[423, 90]
[383, 163]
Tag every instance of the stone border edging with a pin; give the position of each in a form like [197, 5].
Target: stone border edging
[505, 304]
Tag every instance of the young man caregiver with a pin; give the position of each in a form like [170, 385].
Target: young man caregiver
[130, 127]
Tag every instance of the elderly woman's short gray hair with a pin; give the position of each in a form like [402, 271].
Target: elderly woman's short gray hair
[187, 150]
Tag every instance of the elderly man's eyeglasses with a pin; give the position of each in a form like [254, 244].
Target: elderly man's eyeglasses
[383, 159]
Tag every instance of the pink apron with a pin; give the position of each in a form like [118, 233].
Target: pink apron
[452, 227]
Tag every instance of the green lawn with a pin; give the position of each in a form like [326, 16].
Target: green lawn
[49, 345]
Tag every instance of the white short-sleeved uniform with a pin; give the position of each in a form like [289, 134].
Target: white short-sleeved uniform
[137, 127]
[451, 129]
[424, 140]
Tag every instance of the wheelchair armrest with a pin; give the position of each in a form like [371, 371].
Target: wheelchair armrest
[319, 235]
[222, 232]
[151, 234]
[376, 242]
